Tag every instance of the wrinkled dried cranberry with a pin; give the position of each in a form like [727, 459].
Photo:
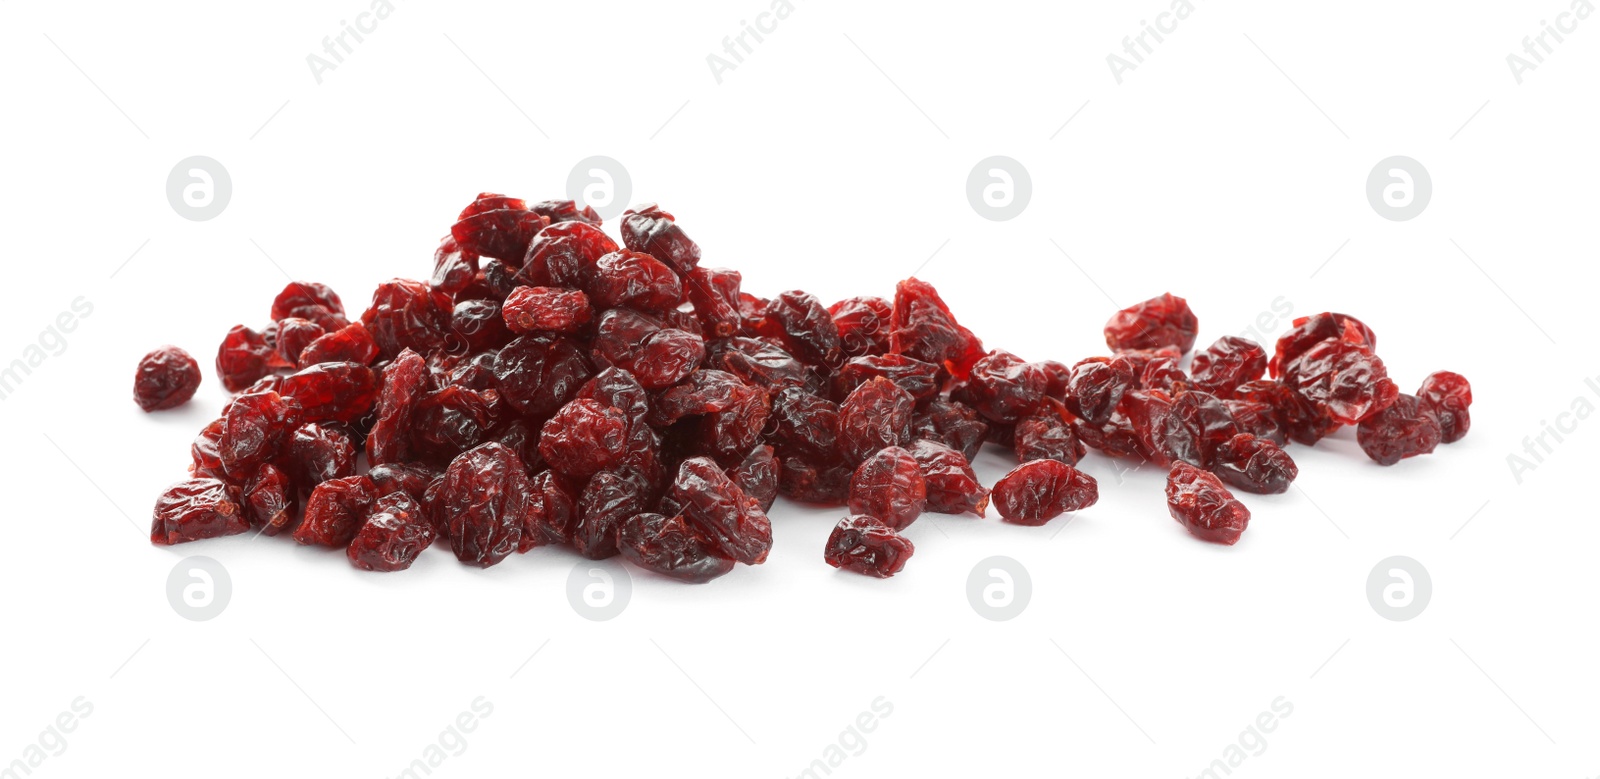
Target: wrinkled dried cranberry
[1036, 492]
[762, 363]
[392, 535]
[1302, 421]
[553, 513]
[608, 500]
[206, 459]
[269, 500]
[672, 547]
[194, 509]
[411, 478]
[655, 232]
[1342, 377]
[405, 382]
[1197, 424]
[565, 255]
[538, 373]
[876, 415]
[657, 356]
[952, 487]
[546, 309]
[1406, 428]
[299, 295]
[351, 343]
[720, 508]
[335, 511]
[1201, 504]
[1226, 364]
[922, 326]
[1047, 435]
[1448, 395]
[1153, 324]
[1139, 360]
[452, 421]
[1254, 465]
[714, 293]
[1147, 411]
[453, 269]
[865, 545]
[1004, 388]
[807, 480]
[919, 379]
[334, 391]
[485, 500]
[167, 378]
[757, 475]
[294, 335]
[1096, 387]
[584, 438]
[1164, 374]
[952, 424]
[407, 314]
[635, 280]
[317, 453]
[254, 430]
[806, 328]
[889, 486]
[564, 211]
[1308, 331]
[502, 233]
[1258, 419]
[244, 357]
[477, 326]
[863, 324]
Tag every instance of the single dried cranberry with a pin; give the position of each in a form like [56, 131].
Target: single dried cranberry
[1201, 504]
[205, 454]
[564, 211]
[1301, 420]
[1308, 331]
[502, 233]
[485, 499]
[1117, 437]
[1258, 419]
[714, 293]
[334, 391]
[1226, 364]
[762, 363]
[1139, 360]
[1448, 395]
[802, 423]
[335, 511]
[825, 483]
[757, 475]
[807, 329]
[1153, 324]
[876, 415]
[492, 201]
[244, 357]
[453, 269]
[720, 508]
[294, 335]
[194, 509]
[953, 424]
[253, 431]
[405, 382]
[653, 231]
[1097, 386]
[917, 378]
[952, 487]
[1164, 374]
[351, 343]
[1343, 377]
[477, 326]
[1036, 492]
[921, 326]
[407, 314]
[451, 421]
[565, 255]
[863, 324]
[635, 280]
[672, 547]
[553, 513]
[1004, 388]
[1047, 435]
[1147, 411]
[539, 372]
[269, 500]
[317, 453]
[865, 545]
[1406, 428]
[411, 478]
[584, 438]
[889, 486]
[608, 500]
[546, 309]
[1195, 427]
[300, 295]
[732, 413]
[1254, 465]
[657, 356]
[167, 378]
[392, 536]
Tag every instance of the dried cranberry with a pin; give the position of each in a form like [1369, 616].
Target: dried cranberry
[635, 280]
[825, 483]
[1036, 492]
[1096, 387]
[1448, 395]
[608, 500]
[452, 421]
[917, 378]
[334, 391]
[1195, 427]
[553, 513]
[538, 373]
[1342, 377]
[244, 357]
[205, 454]
[1047, 435]
[720, 508]
[889, 486]
[485, 498]
[1308, 331]
[167, 378]
[952, 487]
[453, 269]
[584, 438]
[1201, 504]
[1004, 388]
[317, 453]
[1254, 465]
[1153, 324]
[806, 328]
[299, 295]
[477, 326]
[502, 233]
[351, 343]
[411, 478]
[546, 309]
[865, 545]
[405, 382]
[760, 362]
[714, 293]
[657, 356]
[564, 211]
[255, 428]
[335, 511]
[876, 415]
[1226, 364]
[1406, 428]
[194, 509]
[269, 500]
[952, 424]
[921, 326]
[672, 547]
[407, 314]
[757, 475]
[1147, 411]
[863, 324]
[651, 230]
[294, 335]
[565, 255]
[1164, 374]
[392, 536]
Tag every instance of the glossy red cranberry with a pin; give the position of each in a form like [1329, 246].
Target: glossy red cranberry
[167, 378]
[195, 509]
[335, 511]
[889, 486]
[392, 536]
[1226, 364]
[921, 326]
[865, 545]
[1448, 395]
[672, 547]
[1036, 492]
[1406, 428]
[1201, 504]
[951, 486]
[485, 503]
[1155, 323]
[1254, 465]
[722, 510]
[546, 310]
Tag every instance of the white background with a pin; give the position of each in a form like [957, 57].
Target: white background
[833, 159]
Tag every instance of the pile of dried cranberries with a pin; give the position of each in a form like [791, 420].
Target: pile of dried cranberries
[547, 386]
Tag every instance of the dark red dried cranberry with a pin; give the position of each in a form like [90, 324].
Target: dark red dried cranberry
[757, 475]
[1147, 411]
[485, 500]
[502, 233]
[1164, 374]
[889, 486]
[453, 269]
[334, 391]
[477, 326]
[1254, 465]
[584, 438]
[876, 415]
[564, 211]
[294, 335]
[1448, 395]
[553, 513]
[922, 326]
[538, 373]
[807, 480]
[919, 379]
[1096, 387]
[1004, 388]
[205, 454]
[657, 356]
[762, 363]
[411, 478]
[405, 382]
[1406, 428]
[1258, 419]
[863, 324]
[269, 500]
[195, 509]
[335, 511]
[1342, 377]
[1308, 331]
[351, 343]
[952, 487]
[294, 300]
[1197, 424]
[651, 230]
[1201, 504]
[1226, 364]
[1153, 324]
[635, 280]
[952, 424]
[392, 536]
[407, 314]
[714, 293]
[865, 545]
[167, 378]
[565, 255]
[608, 500]
[452, 421]
[255, 428]
[672, 547]
[546, 309]
[244, 357]
[720, 508]
[807, 329]
[1036, 492]
[1047, 435]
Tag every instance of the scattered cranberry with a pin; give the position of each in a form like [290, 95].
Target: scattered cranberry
[866, 545]
[1406, 428]
[167, 378]
[1036, 492]
[195, 509]
[1200, 503]
[392, 536]
[1160, 322]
